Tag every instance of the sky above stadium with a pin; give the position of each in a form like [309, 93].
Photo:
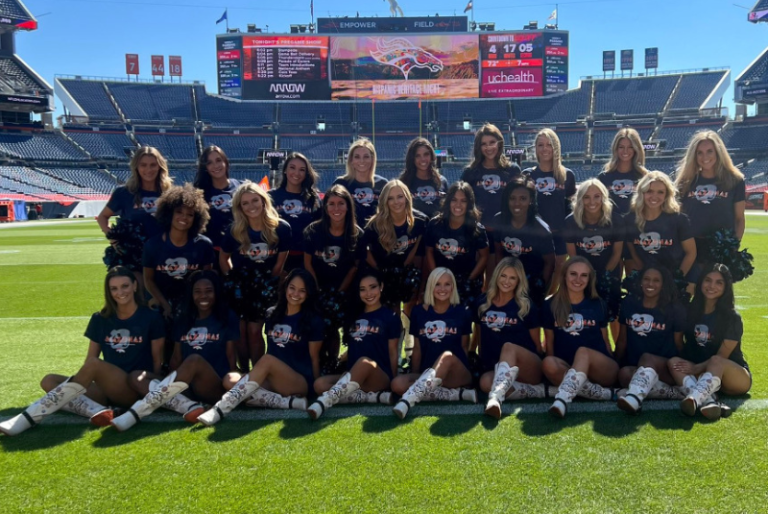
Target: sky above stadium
[91, 37]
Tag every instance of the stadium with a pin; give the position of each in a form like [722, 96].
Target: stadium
[274, 461]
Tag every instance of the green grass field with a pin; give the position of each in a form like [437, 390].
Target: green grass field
[447, 458]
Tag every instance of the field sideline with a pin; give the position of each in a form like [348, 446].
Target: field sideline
[444, 457]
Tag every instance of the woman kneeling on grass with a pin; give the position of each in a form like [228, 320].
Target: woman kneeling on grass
[712, 349]
[579, 356]
[205, 350]
[129, 335]
[292, 363]
[371, 334]
[651, 333]
[441, 327]
[508, 330]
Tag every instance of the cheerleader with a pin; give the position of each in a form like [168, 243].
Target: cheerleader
[421, 177]
[508, 329]
[712, 191]
[656, 232]
[393, 236]
[441, 327]
[455, 239]
[579, 357]
[135, 203]
[361, 180]
[333, 250]
[651, 333]
[371, 334]
[520, 233]
[171, 256]
[283, 377]
[626, 167]
[205, 336]
[555, 185]
[213, 178]
[711, 359]
[595, 231]
[129, 336]
[297, 201]
[257, 244]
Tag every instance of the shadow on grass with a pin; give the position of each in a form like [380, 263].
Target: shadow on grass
[45, 435]
[295, 428]
[450, 426]
[381, 424]
[229, 430]
[111, 437]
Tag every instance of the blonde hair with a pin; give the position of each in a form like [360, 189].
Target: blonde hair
[558, 170]
[429, 289]
[561, 301]
[382, 221]
[638, 160]
[163, 181]
[670, 204]
[577, 203]
[269, 217]
[360, 143]
[488, 129]
[521, 291]
[726, 174]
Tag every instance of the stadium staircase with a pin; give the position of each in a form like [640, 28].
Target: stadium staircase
[672, 97]
[114, 102]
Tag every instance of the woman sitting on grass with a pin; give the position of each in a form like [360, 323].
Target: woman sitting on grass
[129, 336]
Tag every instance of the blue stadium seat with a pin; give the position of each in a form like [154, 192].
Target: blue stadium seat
[39, 146]
[92, 97]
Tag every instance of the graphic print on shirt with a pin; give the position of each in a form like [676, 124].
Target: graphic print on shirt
[177, 267]
[258, 252]
[546, 185]
[120, 339]
[364, 196]
[281, 335]
[593, 245]
[435, 330]
[362, 328]
[575, 324]
[641, 324]
[496, 320]
[650, 242]
[426, 194]
[701, 332]
[705, 193]
[449, 247]
[197, 337]
[222, 202]
[514, 247]
[623, 188]
[149, 204]
[293, 208]
[331, 255]
[491, 183]
[401, 245]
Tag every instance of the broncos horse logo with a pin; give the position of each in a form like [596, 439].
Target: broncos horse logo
[404, 55]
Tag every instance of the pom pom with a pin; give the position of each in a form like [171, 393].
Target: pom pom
[469, 289]
[722, 246]
[609, 289]
[332, 305]
[251, 292]
[401, 284]
[129, 237]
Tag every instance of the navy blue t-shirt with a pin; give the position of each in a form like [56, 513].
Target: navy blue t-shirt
[174, 264]
[208, 338]
[331, 259]
[583, 328]
[700, 344]
[426, 197]
[454, 249]
[502, 324]
[123, 204]
[661, 242]
[260, 255]
[621, 187]
[488, 186]
[650, 330]
[710, 208]
[127, 343]
[370, 336]
[289, 342]
[298, 211]
[220, 201]
[366, 197]
[595, 242]
[438, 333]
[552, 198]
[529, 244]
[405, 242]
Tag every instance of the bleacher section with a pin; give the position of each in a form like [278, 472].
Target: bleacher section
[30, 181]
[678, 135]
[694, 90]
[12, 9]
[569, 107]
[92, 98]
[39, 146]
[102, 144]
[337, 115]
[603, 137]
[13, 78]
[221, 112]
[321, 148]
[745, 136]
[646, 95]
[150, 102]
[244, 148]
[174, 146]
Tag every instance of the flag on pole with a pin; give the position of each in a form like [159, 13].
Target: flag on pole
[469, 6]
[264, 183]
[553, 16]
[223, 17]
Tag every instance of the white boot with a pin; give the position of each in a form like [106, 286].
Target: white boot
[641, 384]
[425, 383]
[569, 387]
[159, 393]
[54, 400]
[662, 391]
[271, 400]
[689, 382]
[705, 387]
[343, 387]
[443, 394]
[181, 404]
[98, 414]
[503, 378]
[361, 396]
[711, 408]
[231, 399]
[592, 391]
[521, 391]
